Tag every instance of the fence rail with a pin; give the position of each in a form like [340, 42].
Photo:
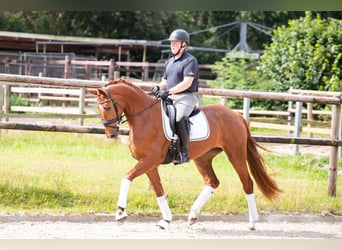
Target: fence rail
[88, 69]
[125, 131]
[335, 101]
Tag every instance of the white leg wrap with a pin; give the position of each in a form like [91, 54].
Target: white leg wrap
[122, 202]
[202, 199]
[252, 209]
[164, 207]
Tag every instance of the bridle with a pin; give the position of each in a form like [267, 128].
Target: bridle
[118, 119]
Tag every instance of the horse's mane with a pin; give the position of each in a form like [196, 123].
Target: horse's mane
[127, 83]
[120, 80]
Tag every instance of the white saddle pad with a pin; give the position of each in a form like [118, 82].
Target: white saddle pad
[199, 127]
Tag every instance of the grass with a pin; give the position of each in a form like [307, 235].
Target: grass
[78, 173]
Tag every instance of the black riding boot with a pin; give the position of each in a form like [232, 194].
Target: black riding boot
[182, 130]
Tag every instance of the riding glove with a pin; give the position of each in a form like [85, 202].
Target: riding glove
[163, 94]
[156, 90]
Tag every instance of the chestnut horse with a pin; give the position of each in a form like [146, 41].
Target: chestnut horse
[229, 132]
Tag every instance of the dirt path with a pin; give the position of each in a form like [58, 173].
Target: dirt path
[278, 226]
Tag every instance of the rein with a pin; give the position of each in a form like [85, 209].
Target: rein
[119, 118]
[141, 111]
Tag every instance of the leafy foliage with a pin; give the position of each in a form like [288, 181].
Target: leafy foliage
[239, 71]
[148, 25]
[306, 54]
[236, 73]
[18, 100]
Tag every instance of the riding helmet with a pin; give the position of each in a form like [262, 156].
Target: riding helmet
[179, 35]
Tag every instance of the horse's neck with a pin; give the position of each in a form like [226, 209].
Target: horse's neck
[137, 106]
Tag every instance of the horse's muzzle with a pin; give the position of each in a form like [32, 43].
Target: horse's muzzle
[112, 133]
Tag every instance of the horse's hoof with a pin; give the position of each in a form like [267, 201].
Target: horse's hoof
[192, 221]
[120, 215]
[192, 218]
[251, 226]
[163, 224]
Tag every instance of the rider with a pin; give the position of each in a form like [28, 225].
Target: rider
[180, 83]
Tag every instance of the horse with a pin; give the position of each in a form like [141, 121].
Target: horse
[229, 132]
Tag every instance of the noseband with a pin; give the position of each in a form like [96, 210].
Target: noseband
[117, 119]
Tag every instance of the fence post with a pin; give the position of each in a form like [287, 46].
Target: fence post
[246, 106]
[289, 117]
[145, 73]
[309, 118]
[298, 124]
[111, 70]
[81, 105]
[7, 67]
[1, 100]
[28, 67]
[67, 67]
[87, 72]
[340, 136]
[333, 161]
[223, 101]
[7, 95]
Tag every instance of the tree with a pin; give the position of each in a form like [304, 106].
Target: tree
[306, 54]
[153, 25]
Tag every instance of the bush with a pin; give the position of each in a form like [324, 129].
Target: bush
[306, 54]
[18, 100]
[240, 72]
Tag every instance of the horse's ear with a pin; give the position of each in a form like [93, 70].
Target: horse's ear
[92, 91]
[97, 92]
[102, 92]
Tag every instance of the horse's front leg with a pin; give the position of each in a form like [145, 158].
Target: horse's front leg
[121, 214]
[155, 181]
[140, 168]
[150, 168]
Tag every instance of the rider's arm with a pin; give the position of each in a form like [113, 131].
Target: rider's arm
[183, 85]
[162, 84]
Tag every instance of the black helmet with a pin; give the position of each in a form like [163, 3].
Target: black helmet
[179, 35]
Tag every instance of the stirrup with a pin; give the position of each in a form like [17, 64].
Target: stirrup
[181, 158]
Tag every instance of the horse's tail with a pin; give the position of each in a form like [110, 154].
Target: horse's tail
[256, 164]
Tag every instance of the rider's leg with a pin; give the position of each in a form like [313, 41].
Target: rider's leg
[182, 130]
[185, 104]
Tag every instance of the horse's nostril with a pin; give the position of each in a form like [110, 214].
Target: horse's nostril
[112, 135]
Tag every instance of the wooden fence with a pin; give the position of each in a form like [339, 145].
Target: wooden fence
[90, 69]
[334, 140]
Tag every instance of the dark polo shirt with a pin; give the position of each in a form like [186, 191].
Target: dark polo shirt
[176, 70]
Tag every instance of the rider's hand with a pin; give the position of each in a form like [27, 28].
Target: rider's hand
[156, 90]
[163, 94]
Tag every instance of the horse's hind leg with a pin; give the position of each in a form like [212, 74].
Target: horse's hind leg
[204, 166]
[238, 160]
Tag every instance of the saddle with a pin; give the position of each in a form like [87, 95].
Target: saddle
[199, 127]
